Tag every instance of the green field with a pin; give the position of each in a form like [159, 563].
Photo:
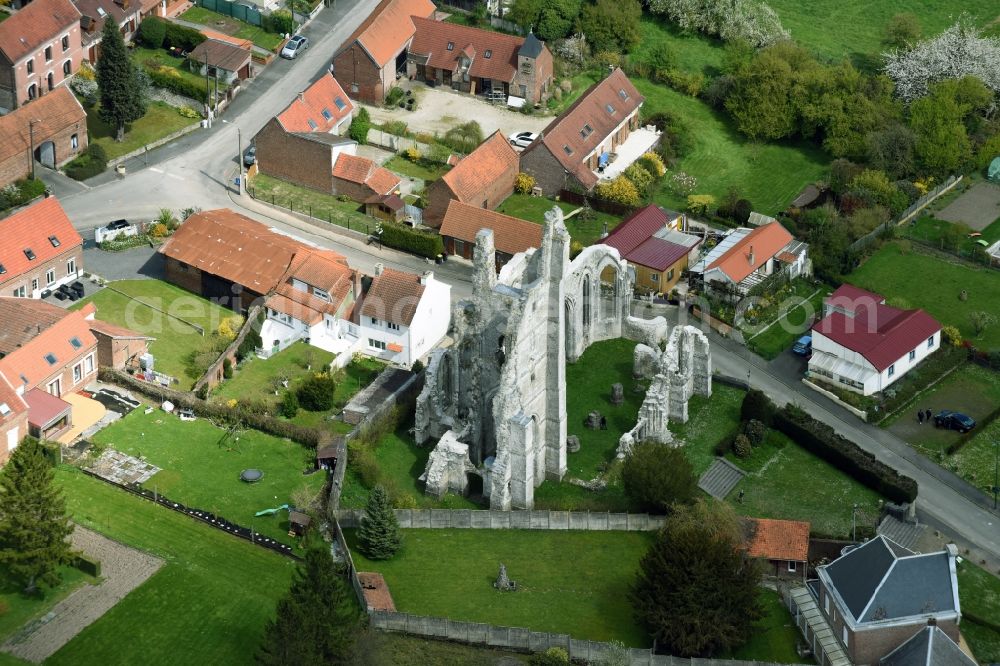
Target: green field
[206, 605]
[932, 231]
[855, 28]
[775, 636]
[200, 467]
[21, 609]
[160, 120]
[177, 343]
[311, 202]
[916, 280]
[976, 461]
[422, 169]
[377, 648]
[770, 175]
[979, 594]
[233, 27]
[567, 582]
[693, 53]
[153, 57]
[585, 227]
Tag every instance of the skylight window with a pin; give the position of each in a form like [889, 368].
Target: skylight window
[101, 12]
[3, 269]
[50, 359]
[327, 114]
[4, 409]
[55, 241]
[488, 54]
[75, 341]
[312, 124]
[451, 46]
[340, 103]
[610, 109]
[623, 94]
[29, 253]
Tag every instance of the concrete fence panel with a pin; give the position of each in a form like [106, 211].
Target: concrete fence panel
[559, 520]
[517, 520]
[480, 520]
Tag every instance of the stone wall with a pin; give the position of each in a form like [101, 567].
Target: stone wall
[513, 520]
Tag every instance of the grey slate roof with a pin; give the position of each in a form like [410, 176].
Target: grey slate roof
[532, 46]
[881, 580]
[928, 647]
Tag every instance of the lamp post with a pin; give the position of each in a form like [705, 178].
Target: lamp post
[854, 524]
[239, 157]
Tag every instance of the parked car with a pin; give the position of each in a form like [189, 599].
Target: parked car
[954, 421]
[294, 47]
[803, 346]
[250, 156]
[522, 139]
[117, 224]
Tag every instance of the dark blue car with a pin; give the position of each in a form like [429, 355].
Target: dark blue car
[954, 421]
[804, 346]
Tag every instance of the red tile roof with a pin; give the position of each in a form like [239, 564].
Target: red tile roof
[29, 362]
[880, 333]
[44, 408]
[9, 397]
[494, 159]
[786, 540]
[433, 37]
[591, 109]
[23, 319]
[510, 234]
[388, 28]
[38, 22]
[364, 171]
[30, 228]
[91, 10]
[56, 111]
[393, 297]
[765, 242]
[325, 97]
[847, 297]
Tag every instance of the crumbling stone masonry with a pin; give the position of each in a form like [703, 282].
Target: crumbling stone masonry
[501, 387]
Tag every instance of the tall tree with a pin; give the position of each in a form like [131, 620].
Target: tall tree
[657, 476]
[379, 534]
[316, 622]
[34, 527]
[611, 25]
[942, 143]
[696, 591]
[119, 81]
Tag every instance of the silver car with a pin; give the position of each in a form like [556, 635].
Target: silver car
[295, 45]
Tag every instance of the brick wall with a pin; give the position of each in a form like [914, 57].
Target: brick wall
[18, 80]
[115, 352]
[359, 76]
[438, 196]
[355, 191]
[183, 275]
[293, 158]
[58, 264]
[549, 174]
[18, 166]
[65, 373]
[19, 427]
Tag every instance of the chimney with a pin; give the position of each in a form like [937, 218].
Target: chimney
[751, 255]
[932, 622]
[426, 277]
[302, 96]
[378, 269]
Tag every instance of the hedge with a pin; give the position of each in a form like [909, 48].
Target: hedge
[88, 164]
[152, 32]
[821, 440]
[964, 438]
[87, 565]
[170, 79]
[182, 37]
[278, 22]
[412, 240]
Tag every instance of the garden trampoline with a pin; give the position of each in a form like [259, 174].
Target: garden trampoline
[251, 475]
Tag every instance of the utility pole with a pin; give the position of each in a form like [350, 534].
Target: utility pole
[239, 158]
[208, 93]
[31, 139]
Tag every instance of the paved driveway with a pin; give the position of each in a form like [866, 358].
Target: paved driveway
[438, 110]
[138, 262]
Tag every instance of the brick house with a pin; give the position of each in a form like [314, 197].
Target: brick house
[510, 234]
[477, 61]
[40, 49]
[361, 179]
[95, 13]
[118, 347]
[367, 64]
[650, 240]
[581, 140]
[877, 596]
[39, 250]
[782, 546]
[483, 178]
[46, 352]
[57, 126]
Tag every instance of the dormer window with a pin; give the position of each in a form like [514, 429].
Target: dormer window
[451, 46]
[29, 253]
[54, 240]
[488, 54]
[326, 114]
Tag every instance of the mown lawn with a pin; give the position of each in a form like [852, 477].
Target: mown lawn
[424, 170]
[915, 280]
[692, 52]
[931, 230]
[567, 582]
[775, 636]
[976, 460]
[770, 175]
[165, 312]
[144, 57]
[233, 27]
[855, 28]
[381, 647]
[979, 594]
[206, 605]
[160, 120]
[793, 323]
[200, 467]
[304, 200]
[587, 226]
[21, 609]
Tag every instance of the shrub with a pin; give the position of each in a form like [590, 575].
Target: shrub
[641, 178]
[316, 392]
[360, 126]
[657, 476]
[620, 190]
[524, 183]
[170, 79]
[181, 37]
[88, 164]
[417, 366]
[821, 440]
[417, 241]
[412, 154]
[228, 328]
[554, 656]
[289, 406]
[757, 406]
[700, 204]
[21, 192]
[755, 432]
[188, 112]
[86, 89]
[227, 368]
[952, 335]
[394, 97]
[158, 230]
[278, 22]
[395, 127]
[86, 72]
[152, 32]
[741, 446]
[465, 137]
[652, 163]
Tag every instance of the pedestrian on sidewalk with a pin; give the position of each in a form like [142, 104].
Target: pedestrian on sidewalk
[920, 416]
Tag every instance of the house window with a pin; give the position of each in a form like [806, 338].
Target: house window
[32, 91]
[459, 248]
[892, 369]
[29, 253]
[843, 633]
[55, 388]
[51, 359]
[826, 604]
[670, 275]
[376, 344]
[88, 364]
[48, 53]
[930, 342]
[50, 276]
[340, 103]
[567, 150]
[373, 320]
[354, 87]
[326, 113]
[451, 46]
[654, 277]
[31, 67]
[913, 354]
[67, 68]
[3, 269]
[65, 43]
[76, 342]
[19, 292]
[488, 54]
[71, 267]
[74, 141]
[791, 566]
[54, 240]
[77, 373]
[312, 124]
[51, 81]
[586, 131]
[34, 284]
[392, 326]
[623, 94]
[610, 109]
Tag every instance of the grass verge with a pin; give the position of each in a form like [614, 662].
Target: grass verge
[979, 594]
[160, 120]
[304, 200]
[586, 226]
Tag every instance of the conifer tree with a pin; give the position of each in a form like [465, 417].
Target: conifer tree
[34, 527]
[119, 82]
[316, 622]
[379, 534]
